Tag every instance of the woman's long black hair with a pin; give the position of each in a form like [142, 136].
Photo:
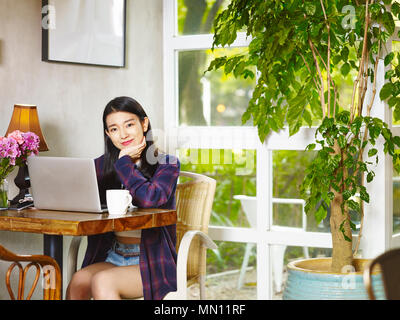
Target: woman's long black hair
[111, 153]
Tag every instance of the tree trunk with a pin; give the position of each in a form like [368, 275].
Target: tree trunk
[342, 251]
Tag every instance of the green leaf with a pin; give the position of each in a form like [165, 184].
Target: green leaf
[346, 237]
[364, 194]
[248, 73]
[352, 225]
[310, 8]
[346, 194]
[237, 71]
[395, 8]
[310, 147]
[320, 214]
[388, 22]
[230, 64]
[372, 152]
[343, 117]
[330, 141]
[246, 116]
[345, 69]
[389, 58]
[396, 140]
[217, 63]
[345, 54]
[386, 91]
[343, 231]
[353, 205]
[370, 176]
[356, 125]
[336, 59]
[342, 142]
[392, 102]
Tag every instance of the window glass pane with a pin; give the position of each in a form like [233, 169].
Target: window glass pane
[287, 214]
[288, 174]
[223, 272]
[211, 98]
[235, 173]
[197, 16]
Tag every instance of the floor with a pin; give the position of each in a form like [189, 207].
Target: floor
[225, 287]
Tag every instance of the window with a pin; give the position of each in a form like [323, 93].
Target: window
[212, 98]
[202, 120]
[235, 173]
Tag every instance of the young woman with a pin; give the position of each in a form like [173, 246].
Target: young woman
[133, 263]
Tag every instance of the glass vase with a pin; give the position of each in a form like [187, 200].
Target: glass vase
[3, 194]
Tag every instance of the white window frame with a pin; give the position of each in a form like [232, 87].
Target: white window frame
[395, 237]
[265, 234]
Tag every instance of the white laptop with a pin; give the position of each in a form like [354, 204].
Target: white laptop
[67, 184]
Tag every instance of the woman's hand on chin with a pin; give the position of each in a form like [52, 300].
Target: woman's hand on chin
[133, 152]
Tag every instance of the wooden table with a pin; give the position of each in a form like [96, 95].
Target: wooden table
[56, 224]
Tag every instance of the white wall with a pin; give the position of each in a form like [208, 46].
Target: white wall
[70, 98]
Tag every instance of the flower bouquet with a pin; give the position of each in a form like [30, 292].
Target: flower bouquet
[14, 150]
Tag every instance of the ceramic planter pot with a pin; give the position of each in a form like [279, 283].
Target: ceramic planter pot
[310, 279]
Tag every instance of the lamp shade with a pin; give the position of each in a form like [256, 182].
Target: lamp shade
[25, 118]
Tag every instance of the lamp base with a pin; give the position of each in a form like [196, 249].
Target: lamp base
[21, 206]
[23, 199]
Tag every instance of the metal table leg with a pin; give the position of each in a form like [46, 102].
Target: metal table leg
[53, 247]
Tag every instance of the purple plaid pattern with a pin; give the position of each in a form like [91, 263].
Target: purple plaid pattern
[157, 247]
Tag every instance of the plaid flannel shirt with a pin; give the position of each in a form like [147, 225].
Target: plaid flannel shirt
[157, 246]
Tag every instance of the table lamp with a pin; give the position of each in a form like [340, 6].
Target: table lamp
[24, 119]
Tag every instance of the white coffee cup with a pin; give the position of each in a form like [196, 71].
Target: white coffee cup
[118, 201]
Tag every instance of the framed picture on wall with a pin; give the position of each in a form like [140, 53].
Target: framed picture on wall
[84, 31]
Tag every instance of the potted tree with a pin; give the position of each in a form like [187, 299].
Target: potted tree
[303, 49]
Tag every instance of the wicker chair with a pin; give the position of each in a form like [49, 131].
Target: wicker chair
[48, 266]
[194, 201]
[389, 265]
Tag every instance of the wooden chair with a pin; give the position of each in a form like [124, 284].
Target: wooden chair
[50, 270]
[194, 200]
[389, 263]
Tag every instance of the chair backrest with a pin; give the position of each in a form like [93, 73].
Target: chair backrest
[194, 200]
[389, 265]
[48, 266]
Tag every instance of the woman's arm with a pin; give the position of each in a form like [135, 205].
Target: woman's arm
[149, 193]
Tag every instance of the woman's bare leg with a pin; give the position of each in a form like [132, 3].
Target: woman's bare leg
[117, 282]
[80, 287]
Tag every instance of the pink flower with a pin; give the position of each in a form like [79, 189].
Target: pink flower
[17, 135]
[15, 148]
[31, 141]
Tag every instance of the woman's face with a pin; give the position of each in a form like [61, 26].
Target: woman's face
[125, 129]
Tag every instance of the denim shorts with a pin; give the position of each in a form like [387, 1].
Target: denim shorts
[122, 254]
